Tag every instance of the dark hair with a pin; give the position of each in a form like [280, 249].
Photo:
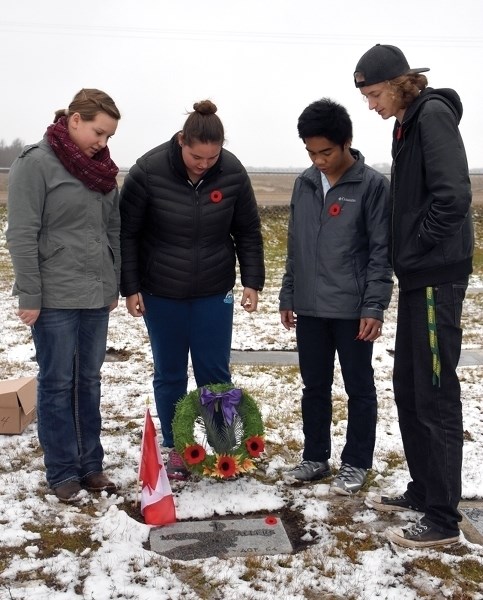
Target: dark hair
[326, 118]
[203, 125]
[88, 102]
[408, 87]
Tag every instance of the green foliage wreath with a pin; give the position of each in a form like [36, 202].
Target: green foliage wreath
[233, 446]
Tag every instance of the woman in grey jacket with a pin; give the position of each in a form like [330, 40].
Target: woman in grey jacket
[63, 237]
[338, 284]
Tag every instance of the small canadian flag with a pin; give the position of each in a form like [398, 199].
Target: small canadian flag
[157, 504]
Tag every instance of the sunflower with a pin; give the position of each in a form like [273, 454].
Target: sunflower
[246, 465]
[226, 466]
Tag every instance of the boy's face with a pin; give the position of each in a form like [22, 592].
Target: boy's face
[330, 158]
[382, 99]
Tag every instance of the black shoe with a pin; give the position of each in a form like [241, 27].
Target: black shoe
[420, 535]
[390, 503]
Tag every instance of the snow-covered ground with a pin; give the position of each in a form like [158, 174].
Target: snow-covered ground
[98, 550]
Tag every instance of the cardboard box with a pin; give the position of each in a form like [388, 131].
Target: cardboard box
[18, 399]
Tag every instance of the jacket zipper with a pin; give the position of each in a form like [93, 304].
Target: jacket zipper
[196, 232]
[399, 147]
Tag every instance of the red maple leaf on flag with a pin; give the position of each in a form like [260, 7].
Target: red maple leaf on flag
[157, 504]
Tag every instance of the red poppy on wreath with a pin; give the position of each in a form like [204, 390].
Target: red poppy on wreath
[225, 466]
[194, 454]
[334, 210]
[216, 196]
[255, 446]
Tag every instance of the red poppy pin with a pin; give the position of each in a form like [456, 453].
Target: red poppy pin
[216, 196]
[334, 210]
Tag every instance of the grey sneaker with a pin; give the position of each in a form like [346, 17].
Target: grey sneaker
[309, 470]
[420, 535]
[349, 480]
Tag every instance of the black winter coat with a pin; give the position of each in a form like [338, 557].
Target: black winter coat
[180, 240]
[432, 232]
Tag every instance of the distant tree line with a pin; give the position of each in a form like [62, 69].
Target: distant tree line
[8, 153]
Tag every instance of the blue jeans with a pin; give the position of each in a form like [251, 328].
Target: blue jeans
[430, 416]
[70, 346]
[201, 327]
[318, 340]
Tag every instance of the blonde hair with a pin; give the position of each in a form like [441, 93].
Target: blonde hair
[407, 88]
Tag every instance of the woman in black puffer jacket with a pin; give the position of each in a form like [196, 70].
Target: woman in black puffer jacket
[188, 212]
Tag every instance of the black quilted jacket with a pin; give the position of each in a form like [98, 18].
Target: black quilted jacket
[182, 241]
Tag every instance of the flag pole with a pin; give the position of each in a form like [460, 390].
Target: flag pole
[138, 482]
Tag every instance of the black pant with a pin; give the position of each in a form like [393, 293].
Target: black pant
[430, 416]
[317, 340]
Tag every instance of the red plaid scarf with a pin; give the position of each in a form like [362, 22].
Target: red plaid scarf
[97, 173]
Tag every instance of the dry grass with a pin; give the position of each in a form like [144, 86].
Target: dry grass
[274, 188]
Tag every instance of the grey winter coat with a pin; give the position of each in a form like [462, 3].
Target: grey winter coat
[337, 263]
[63, 238]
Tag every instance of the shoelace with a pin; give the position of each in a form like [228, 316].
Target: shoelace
[347, 471]
[401, 500]
[309, 463]
[417, 529]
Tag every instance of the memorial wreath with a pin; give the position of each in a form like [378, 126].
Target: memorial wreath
[230, 424]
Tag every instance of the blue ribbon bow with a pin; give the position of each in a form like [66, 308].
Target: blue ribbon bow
[228, 401]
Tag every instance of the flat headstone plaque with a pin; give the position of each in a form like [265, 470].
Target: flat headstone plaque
[222, 538]
[473, 515]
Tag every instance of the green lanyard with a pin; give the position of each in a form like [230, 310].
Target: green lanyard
[433, 336]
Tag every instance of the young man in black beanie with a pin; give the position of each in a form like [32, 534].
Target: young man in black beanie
[431, 250]
[336, 287]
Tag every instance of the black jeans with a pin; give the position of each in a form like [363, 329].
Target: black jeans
[430, 416]
[318, 340]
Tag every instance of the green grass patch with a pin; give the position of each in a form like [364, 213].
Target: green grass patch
[53, 538]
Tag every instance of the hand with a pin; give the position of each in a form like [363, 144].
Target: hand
[28, 317]
[249, 299]
[135, 305]
[113, 305]
[288, 319]
[369, 330]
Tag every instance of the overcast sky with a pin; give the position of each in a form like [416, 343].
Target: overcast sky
[261, 61]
